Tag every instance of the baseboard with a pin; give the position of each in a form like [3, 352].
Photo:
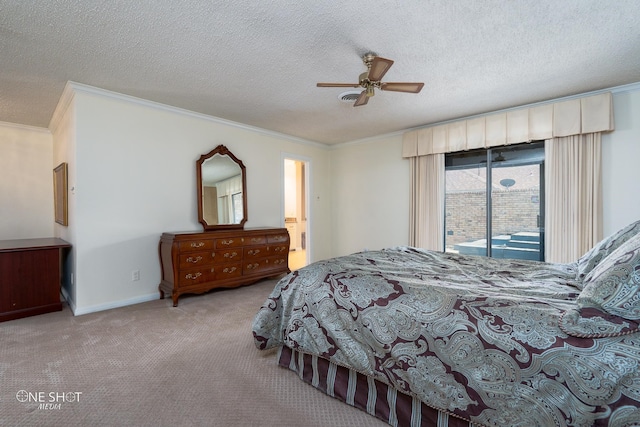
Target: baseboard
[116, 304]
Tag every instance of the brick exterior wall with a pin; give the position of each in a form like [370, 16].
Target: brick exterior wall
[513, 211]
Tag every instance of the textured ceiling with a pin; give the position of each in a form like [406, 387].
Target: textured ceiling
[258, 62]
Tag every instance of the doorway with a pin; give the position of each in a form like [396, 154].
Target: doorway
[295, 209]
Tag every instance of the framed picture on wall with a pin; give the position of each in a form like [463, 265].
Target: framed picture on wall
[60, 193]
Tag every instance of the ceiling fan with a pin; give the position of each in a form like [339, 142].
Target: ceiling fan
[497, 159]
[377, 67]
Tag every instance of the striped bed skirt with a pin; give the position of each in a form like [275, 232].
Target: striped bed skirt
[360, 391]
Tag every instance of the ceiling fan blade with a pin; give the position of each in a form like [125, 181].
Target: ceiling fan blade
[362, 99]
[379, 67]
[338, 85]
[402, 87]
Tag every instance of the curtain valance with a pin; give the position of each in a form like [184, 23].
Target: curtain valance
[573, 117]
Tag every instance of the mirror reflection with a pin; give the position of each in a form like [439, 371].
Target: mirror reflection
[221, 191]
[221, 187]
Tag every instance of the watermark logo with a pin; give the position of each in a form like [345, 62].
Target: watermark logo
[48, 400]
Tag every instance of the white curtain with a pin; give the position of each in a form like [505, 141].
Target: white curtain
[573, 193]
[573, 117]
[573, 182]
[426, 222]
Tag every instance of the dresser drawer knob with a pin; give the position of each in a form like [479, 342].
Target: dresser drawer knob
[193, 276]
[194, 260]
[231, 254]
[227, 242]
[252, 266]
[254, 252]
[197, 244]
[229, 270]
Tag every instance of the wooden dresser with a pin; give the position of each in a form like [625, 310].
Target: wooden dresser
[196, 262]
[30, 275]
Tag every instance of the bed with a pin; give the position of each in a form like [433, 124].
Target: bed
[424, 338]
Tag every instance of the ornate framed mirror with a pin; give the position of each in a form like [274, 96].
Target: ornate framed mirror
[222, 190]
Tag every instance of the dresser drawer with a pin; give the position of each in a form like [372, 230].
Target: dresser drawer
[256, 265]
[195, 276]
[196, 245]
[278, 238]
[255, 252]
[279, 249]
[264, 264]
[227, 255]
[193, 259]
[229, 242]
[212, 257]
[277, 262]
[209, 273]
[228, 271]
[255, 240]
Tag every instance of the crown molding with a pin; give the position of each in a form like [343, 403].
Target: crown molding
[24, 127]
[64, 102]
[368, 140]
[79, 87]
[632, 87]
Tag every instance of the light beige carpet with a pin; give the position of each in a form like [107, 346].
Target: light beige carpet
[155, 365]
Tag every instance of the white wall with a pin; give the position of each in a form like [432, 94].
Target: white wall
[621, 163]
[370, 187]
[26, 182]
[370, 183]
[64, 142]
[135, 178]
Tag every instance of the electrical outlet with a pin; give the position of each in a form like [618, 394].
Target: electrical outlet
[135, 275]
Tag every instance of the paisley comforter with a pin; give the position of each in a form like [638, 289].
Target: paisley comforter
[496, 342]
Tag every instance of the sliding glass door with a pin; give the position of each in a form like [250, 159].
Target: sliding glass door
[494, 202]
[466, 204]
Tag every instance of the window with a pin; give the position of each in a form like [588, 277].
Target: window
[497, 192]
